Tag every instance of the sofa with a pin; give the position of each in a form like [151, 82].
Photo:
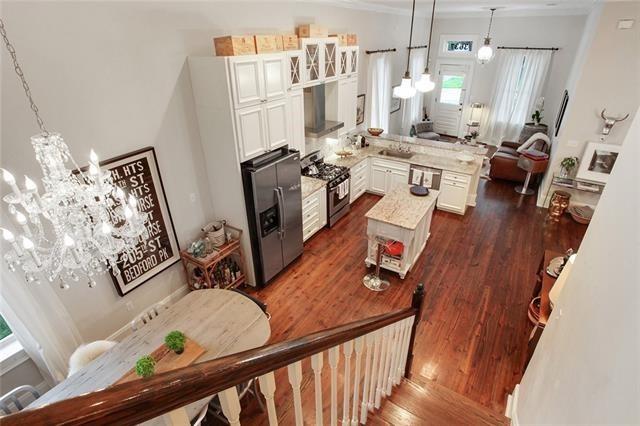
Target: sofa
[504, 162]
[424, 130]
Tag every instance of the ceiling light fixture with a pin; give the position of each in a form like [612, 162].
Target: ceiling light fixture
[485, 53]
[425, 84]
[80, 224]
[406, 89]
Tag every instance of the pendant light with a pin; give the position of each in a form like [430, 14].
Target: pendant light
[406, 89]
[425, 84]
[485, 53]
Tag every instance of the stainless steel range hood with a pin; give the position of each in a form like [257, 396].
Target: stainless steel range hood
[315, 124]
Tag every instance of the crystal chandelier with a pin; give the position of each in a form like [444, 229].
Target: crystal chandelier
[406, 89]
[80, 224]
[485, 53]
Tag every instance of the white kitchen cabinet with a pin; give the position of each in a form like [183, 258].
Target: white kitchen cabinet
[295, 64]
[344, 61]
[277, 123]
[250, 131]
[454, 189]
[296, 121]
[347, 106]
[385, 174]
[359, 181]
[313, 61]
[257, 79]
[330, 59]
[314, 213]
[354, 59]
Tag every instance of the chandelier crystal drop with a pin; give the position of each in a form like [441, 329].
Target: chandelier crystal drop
[485, 53]
[79, 225]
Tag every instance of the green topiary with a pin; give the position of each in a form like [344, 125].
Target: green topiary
[175, 341]
[145, 366]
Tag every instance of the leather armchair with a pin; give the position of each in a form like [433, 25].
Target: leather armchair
[504, 162]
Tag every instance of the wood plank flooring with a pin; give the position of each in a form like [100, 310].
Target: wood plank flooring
[478, 271]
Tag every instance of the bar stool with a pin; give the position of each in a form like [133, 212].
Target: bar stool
[532, 162]
[373, 281]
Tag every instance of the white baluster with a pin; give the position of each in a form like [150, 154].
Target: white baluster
[405, 351]
[383, 357]
[295, 378]
[316, 365]
[397, 373]
[387, 361]
[356, 380]
[268, 388]
[230, 404]
[347, 348]
[367, 376]
[377, 338]
[334, 354]
[393, 353]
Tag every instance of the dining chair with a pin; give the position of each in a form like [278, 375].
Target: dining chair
[13, 398]
[84, 354]
[144, 318]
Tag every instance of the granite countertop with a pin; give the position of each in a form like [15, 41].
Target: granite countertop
[310, 185]
[449, 146]
[449, 163]
[401, 208]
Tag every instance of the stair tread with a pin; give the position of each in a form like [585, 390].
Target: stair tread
[418, 401]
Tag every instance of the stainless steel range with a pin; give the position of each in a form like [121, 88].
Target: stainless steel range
[337, 178]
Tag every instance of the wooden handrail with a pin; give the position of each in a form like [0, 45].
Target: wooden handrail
[136, 401]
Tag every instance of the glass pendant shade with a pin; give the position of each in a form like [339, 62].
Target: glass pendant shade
[485, 53]
[425, 84]
[405, 90]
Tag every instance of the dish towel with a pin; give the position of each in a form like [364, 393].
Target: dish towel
[428, 180]
[417, 177]
[343, 189]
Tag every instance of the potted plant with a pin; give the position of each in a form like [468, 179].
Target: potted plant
[567, 165]
[175, 341]
[474, 136]
[537, 114]
[145, 366]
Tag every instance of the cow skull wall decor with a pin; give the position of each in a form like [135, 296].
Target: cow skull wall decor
[609, 122]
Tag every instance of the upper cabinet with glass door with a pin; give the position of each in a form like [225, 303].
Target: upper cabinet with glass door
[313, 70]
[354, 59]
[295, 59]
[348, 58]
[330, 52]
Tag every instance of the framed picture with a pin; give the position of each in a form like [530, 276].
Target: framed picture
[561, 111]
[395, 105]
[360, 109]
[137, 173]
[597, 162]
[458, 45]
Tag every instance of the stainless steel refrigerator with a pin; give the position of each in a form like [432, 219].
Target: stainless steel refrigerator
[273, 198]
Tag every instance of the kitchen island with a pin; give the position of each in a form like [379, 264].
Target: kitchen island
[403, 217]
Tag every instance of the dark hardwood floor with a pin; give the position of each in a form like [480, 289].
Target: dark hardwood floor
[478, 271]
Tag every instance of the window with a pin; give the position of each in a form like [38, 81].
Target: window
[4, 328]
[459, 46]
[451, 91]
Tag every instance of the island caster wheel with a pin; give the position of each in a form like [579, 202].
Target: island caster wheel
[402, 276]
[368, 264]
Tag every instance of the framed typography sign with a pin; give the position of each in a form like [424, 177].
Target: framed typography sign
[137, 173]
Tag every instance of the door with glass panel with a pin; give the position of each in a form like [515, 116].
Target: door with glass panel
[330, 59]
[313, 60]
[449, 98]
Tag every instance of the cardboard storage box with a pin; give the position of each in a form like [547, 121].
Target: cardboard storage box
[234, 45]
[290, 42]
[352, 40]
[312, 31]
[268, 43]
[342, 39]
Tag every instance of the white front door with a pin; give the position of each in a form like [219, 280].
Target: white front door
[449, 97]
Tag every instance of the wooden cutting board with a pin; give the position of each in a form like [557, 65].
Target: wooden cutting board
[167, 360]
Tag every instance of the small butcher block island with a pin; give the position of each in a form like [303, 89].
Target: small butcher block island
[403, 217]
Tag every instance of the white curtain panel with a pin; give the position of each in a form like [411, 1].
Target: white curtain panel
[519, 83]
[379, 85]
[412, 108]
[40, 322]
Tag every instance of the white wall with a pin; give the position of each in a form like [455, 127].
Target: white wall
[608, 78]
[533, 31]
[585, 368]
[113, 76]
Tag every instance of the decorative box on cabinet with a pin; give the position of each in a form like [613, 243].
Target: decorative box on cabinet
[454, 189]
[314, 213]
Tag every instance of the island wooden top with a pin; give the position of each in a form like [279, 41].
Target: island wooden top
[401, 208]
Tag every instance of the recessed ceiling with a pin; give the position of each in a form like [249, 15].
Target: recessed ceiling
[478, 7]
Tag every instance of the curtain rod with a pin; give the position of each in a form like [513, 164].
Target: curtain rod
[369, 52]
[529, 48]
[424, 46]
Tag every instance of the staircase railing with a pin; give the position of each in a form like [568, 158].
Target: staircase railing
[385, 341]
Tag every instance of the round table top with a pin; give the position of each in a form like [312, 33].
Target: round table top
[221, 321]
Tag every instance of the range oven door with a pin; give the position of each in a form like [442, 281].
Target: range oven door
[335, 204]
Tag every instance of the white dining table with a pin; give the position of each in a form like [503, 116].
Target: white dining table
[223, 322]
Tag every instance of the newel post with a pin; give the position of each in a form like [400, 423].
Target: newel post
[417, 301]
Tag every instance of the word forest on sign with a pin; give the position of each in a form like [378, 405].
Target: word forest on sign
[138, 174]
